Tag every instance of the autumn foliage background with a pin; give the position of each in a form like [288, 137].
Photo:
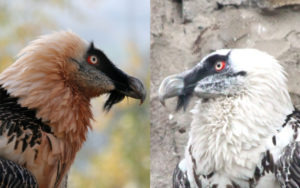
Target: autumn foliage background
[116, 153]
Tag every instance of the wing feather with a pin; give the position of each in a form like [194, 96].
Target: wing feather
[287, 168]
[180, 179]
[13, 175]
[20, 133]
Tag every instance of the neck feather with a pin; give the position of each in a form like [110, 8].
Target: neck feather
[223, 128]
[47, 88]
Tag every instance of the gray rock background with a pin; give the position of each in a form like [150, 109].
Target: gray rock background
[183, 31]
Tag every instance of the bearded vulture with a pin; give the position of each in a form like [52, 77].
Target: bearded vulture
[244, 131]
[45, 103]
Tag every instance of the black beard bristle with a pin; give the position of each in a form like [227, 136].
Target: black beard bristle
[182, 102]
[114, 97]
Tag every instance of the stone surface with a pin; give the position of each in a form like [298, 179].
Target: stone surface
[183, 31]
[276, 3]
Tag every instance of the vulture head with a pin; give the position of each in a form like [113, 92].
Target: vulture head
[96, 74]
[226, 73]
[61, 61]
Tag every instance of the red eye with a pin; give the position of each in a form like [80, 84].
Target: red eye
[220, 65]
[92, 59]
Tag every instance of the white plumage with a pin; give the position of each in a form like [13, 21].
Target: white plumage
[240, 112]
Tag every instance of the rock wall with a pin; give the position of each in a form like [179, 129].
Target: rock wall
[183, 31]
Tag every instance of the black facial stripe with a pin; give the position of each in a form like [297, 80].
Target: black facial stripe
[119, 78]
[210, 61]
[207, 69]
[198, 73]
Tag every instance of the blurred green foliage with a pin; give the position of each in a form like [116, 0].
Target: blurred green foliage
[125, 162]
[125, 159]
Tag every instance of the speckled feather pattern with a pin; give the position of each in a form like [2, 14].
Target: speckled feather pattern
[15, 176]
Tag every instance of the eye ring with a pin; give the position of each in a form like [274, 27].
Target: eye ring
[220, 65]
[92, 59]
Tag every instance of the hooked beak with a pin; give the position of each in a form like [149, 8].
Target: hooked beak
[136, 89]
[113, 80]
[171, 86]
[133, 88]
[181, 85]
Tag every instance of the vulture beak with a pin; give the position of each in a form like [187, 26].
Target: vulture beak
[181, 85]
[122, 84]
[125, 85]
[171, 86]
[136, 89]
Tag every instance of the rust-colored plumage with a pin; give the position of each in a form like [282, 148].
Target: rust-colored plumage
[52, 79]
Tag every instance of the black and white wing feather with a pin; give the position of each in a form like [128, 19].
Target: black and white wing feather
[287, 168]
[20, 130]
[180, 179]
[13, 175]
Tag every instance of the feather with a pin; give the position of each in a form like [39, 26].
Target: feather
[14, 175]
[114, 97]
[180, 178]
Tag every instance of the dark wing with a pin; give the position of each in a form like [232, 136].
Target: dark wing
[287, 168]
[19, 128]
[14, 120]
[15, 176]
[180, 179]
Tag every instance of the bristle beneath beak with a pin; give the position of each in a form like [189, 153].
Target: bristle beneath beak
[114, 97]
[182, 102]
